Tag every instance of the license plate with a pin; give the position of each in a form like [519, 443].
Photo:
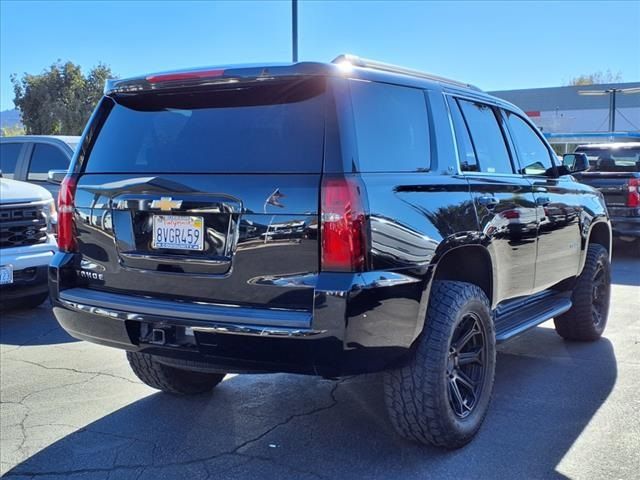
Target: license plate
[6, 274]
[177, 232]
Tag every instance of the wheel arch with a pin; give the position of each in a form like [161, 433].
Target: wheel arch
[600, 233]
[470, 263]
[467, 263]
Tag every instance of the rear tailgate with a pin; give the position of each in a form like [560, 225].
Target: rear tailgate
[206, 196]
[613, 185]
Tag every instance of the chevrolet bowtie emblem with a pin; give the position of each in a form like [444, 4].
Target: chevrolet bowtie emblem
[166, 204]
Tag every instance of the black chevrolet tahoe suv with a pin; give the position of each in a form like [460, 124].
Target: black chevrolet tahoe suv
[325, 219]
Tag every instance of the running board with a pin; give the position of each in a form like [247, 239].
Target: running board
[518, 320]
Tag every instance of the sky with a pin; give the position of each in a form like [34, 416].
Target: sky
[495, 45]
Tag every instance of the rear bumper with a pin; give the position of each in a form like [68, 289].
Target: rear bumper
[625, 226]
[29, 264]
[27, 282]
[360, 323]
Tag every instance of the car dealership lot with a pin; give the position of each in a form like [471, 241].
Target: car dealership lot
[559, 409]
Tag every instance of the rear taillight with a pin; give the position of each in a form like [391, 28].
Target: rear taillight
[66, 236]
[633, 193]
[344, 235]
[512, 214]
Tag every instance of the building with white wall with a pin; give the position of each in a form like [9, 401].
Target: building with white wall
[563, 109]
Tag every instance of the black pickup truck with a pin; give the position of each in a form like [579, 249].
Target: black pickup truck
[614, 169]
[325, 219]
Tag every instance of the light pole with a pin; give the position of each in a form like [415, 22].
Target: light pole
[612, 100]
[294, 29]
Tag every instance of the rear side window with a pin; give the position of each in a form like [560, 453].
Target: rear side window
[466, 155]
[269, 128]
[533, 154]
[46, 157]
[488, 141]
[9, 154]
[392, 127]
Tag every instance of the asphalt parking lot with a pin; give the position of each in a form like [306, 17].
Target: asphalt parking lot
[70, 409]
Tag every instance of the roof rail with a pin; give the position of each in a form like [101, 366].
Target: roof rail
[387, 67]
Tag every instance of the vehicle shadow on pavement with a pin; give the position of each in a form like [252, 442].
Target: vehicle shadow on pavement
[37, 326]
[626, 263]
[288, 426]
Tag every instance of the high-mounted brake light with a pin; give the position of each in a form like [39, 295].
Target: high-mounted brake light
[195, 75]
[66, 206]
[633, 193]
[344, 231]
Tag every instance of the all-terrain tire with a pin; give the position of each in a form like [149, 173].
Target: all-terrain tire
[586, 320]
[418, 395]
[169, 379]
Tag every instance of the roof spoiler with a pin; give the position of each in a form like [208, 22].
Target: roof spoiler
[200, 77]
[250, 73]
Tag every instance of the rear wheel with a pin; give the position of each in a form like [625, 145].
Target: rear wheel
[170, 379]
[442, 395]
[587, 318]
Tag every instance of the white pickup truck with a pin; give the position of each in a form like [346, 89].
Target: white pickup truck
[27, 244]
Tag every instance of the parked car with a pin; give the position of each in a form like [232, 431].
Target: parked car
[614, 169]
[29, 158]
[27, 222]
[417, 203]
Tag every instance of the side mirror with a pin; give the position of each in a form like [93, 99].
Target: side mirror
[575, 162]
[56, 176]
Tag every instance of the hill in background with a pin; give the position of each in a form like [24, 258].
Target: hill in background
[10, 118]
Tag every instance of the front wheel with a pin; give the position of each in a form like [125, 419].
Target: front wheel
[442, 395]
[170, 379]
[586, 319]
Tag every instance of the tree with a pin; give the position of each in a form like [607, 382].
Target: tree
[59, 101]
[596, 77]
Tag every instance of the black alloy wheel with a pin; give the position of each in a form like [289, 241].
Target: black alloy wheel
[466, 365]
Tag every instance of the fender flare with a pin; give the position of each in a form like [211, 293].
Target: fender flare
[586, 238]
[443, 250]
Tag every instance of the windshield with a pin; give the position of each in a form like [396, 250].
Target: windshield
[619, 159]
[274, 128]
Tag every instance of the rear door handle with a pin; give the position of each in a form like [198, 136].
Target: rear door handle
[488, 201]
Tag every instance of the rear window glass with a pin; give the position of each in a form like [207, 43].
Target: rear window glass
[620, 159]
[392, 127]
[466, 154]
[46, 157]
[274, 128]
[488, 142]
[9, 153]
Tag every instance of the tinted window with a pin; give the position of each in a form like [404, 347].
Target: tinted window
[276, 127]
[466, 155]
[618, 158]
[9, 153]
[46, 157]
[392, 127]
[488, 142]
[533, 154]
